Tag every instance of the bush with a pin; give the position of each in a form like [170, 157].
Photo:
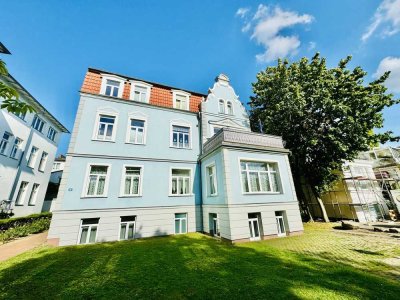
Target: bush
[18, 227]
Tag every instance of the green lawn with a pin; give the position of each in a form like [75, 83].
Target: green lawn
[321, 264]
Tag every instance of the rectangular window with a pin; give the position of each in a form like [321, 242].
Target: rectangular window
[258, 177]
[255, 226]
[127, 228]
[33, 195]
[15, 149]
[280, 217]
[180, 136]
[4, 142]
[214, 225]
[88, 231]
[21, 115]
[132, 181]
[37, 123]
[51, 134]
[56, 166]
[43, 160]
[112, 88]
[212, 180]
[21, 193]
[105, 128]
[181, 102]
[180, 223]
[97, 181]
[180, 182]
[32, 157]
[136, 131]
[140, 93]
[216, 129]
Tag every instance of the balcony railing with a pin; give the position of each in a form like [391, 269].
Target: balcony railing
[234, 137]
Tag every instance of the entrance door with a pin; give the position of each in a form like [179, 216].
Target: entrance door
[280, 225]
[254, 229]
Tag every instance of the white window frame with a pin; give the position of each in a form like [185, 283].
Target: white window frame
[278, 172]
[181, 93]
[122, 188]
[53, 134]
[208, 187]
[181, 123]
[86, 185]
[97, 124]
[31, 162]
[127, 226]
[180, 222]
[146, 85]
[280, 233]
[223, 106]
[6, 142]
[20, 198]
[227, 110]
[190, 182]
[33, 197]
[34, 120]
[140, 117]
[88, 236]
[43, 161]
[106, 77]
[15, 148]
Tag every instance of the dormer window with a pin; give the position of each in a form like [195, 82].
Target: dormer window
[229, 108]
[112, 86]
[221, 107]
[181, 100]
[140, 91]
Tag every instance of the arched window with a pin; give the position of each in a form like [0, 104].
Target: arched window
[221, 106]
[229, 108]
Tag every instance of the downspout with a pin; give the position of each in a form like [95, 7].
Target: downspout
[199, 118]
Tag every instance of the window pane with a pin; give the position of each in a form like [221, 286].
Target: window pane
[180, 186]
[180, 172]
[180, 215]
[254, 182]
[140, 139]
[245, 182]
[131, 231]
[174, 186]
[92, 185]
[177, 226]
[127, 189]
[112, 82]
[92, 237]
[108, 91]
[98, 170]
[107, 119]
[100, 188]
[132, 170]
[183, 226]
[136, 185]
[186, 186]
[122, 232]
[264, 182]
[84, 234]
[180, 129]
[109, 131]
[137, 123]
[274, 182]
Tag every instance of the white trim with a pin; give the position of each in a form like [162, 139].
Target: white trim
[121, 190]
[114, 78]
[141, 84]
[180, 221]
[182, 93]
[88, 236]
[127, 222]
[278, 172]
[182, 123]
[190, 182]
[86, 183]
[210, 165]
[106, 112]
[137, 116]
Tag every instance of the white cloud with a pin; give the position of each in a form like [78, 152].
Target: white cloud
[386, 17]
[267, 25]
[311, 46]
[391, 64]
[242, 12]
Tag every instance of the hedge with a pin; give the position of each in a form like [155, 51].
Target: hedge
[18, 227]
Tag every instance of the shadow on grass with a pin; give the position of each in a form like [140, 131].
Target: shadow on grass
[185, 266]
[368, 252]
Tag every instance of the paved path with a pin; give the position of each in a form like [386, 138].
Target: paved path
[21, 245]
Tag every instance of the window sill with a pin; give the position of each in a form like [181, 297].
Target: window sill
[143, 144]
[96, 140]
[89, 197]
[19, 204]
[213, 195]
[262, 193]
[173, 147]
[33, 204]
[4, 155]
[130, 196]
[186, 195]
[30, 167]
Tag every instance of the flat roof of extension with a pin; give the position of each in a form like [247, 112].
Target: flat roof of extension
[21, 90]
[99, 71]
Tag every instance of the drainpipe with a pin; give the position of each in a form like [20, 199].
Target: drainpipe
[199, 117]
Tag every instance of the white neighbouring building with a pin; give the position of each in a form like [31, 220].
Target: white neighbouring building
[28, 146]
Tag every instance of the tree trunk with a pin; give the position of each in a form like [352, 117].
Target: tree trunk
[321, 205]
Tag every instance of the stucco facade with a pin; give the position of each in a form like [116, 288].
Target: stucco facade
[24, 175]
[163, 148]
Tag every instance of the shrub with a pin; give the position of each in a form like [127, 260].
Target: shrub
[18, 227]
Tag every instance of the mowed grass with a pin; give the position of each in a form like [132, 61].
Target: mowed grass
[321, 264]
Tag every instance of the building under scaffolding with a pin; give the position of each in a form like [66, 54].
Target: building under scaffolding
[369, 189]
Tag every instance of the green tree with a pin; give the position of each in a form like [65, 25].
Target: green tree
[325, 116]
[11, 100]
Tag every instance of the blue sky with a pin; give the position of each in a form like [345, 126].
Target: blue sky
[186, 43]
